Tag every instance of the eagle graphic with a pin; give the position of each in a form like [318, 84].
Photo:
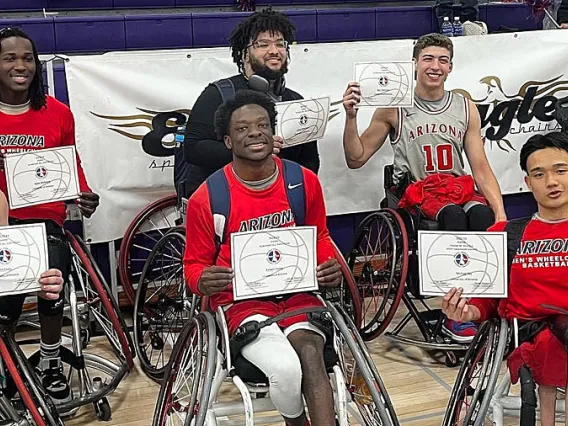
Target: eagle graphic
[495, 94]
[137, 126]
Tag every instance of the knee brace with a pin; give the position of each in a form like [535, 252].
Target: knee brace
[285, 381]
[480, 217]
[452, 218]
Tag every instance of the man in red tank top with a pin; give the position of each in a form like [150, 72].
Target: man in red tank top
[30, 120]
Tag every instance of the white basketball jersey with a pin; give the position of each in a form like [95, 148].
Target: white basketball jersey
[429, 138]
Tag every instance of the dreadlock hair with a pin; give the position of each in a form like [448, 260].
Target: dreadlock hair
[37, 89]
[248, 30]
[242, 97]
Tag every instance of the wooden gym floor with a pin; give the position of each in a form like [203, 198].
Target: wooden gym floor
[418, 385]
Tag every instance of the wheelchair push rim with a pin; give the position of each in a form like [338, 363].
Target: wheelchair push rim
[121, 341]
[144, 228]
[162, 304]
[379, 263]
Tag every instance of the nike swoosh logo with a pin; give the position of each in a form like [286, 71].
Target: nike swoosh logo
[290, 186]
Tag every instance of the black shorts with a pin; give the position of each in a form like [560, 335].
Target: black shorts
[59, 255]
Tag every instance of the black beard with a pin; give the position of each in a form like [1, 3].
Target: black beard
[267, 73]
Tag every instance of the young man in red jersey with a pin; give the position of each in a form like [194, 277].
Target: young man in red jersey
[538, 273]
[257, 190]
[30, 120]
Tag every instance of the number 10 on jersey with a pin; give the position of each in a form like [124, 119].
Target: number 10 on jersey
[438, 158]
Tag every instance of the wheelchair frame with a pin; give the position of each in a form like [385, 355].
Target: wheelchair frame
[82, 315]
[429, 321]
[496, 400]
[216, 368]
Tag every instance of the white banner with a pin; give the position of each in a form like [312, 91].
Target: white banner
[117, 98]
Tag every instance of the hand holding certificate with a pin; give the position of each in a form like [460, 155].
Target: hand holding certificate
[42, 176]
[273, 262]
[302, 121]
[23, 258]
[386, 84]
[474, 261]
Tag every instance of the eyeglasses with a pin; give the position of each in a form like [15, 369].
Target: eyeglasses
[265, 44]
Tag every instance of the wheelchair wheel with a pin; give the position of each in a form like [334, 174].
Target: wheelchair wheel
[162, 304]
[27, 384]
[186, 388]
[379, 263]
[143, 233]
[347, 294]
[362, 379]
[102, 305]
[477, 378]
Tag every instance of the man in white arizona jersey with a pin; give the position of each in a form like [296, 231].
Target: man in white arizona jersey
[428, 140]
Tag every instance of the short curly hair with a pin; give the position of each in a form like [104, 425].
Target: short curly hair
[242, 97]
[259, 22]
[433, 39]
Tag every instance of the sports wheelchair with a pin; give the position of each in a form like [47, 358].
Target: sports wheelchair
[384, 263]
[90, 310]
[478, 393]
[202, 361]
[163, 304]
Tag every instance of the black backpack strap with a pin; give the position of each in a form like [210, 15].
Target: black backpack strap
[295, 189]
[515, 229]
[220, 199]
[226, 88]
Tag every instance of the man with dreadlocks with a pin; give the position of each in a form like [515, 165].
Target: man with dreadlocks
[30, 120]
[260, 48]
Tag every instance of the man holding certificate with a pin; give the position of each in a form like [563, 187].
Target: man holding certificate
[537, 276]
[428, 142]
[31, 122]
[261, 200]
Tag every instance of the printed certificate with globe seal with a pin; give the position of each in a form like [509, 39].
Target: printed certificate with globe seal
[474, 261]
[385, 84]
[272, 262]
[42, 176]
[302, 121]
[23, 258]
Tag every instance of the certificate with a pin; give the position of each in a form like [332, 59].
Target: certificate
[474, 261]
[23, 258]
[385, 84]
[42, 176]
[274, 262]
[302, 121]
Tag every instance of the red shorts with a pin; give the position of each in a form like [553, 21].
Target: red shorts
[240, 311]
[545, 357]
[431, 205]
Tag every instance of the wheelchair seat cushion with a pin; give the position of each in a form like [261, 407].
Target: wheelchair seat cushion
[248, 372]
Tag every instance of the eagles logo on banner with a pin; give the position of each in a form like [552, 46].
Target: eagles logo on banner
[126, 128]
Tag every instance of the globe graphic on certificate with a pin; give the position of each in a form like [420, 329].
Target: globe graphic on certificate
[40, 170]
[387, 83]
[282, 257]
[302, 121]
[19, 257]
[474, 259]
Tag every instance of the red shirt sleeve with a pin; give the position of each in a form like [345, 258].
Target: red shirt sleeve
[68, 139]
[316, 216]
[200, 246]
[488, 307]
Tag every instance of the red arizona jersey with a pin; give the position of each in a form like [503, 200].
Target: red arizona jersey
[250, 210]
[537, 275]
[50, 127]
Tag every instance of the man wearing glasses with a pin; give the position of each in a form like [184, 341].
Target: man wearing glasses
[260, 48]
